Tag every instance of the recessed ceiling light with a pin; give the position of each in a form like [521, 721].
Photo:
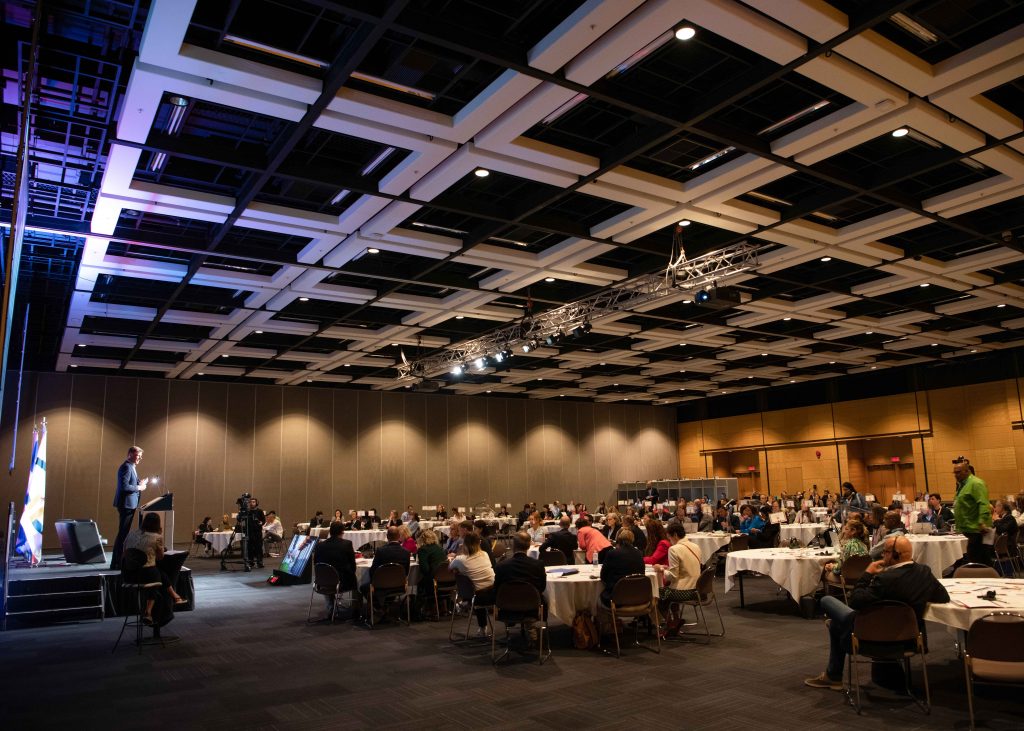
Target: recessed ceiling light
[601, 363]
[625, 399]
[75, 365]
[831, 362]
[1002, 305]
[934, 344]
[348, 365]
[258, 332]
[974, 351]
[373, 250]
[549, 279]
[200, 373]
[481, 172]
[225, 355]
[460, 317]
[303, 299]
[684, 222]
[81, 345]
[488, 391]
[683, 371]
[792, 381]
[687, 302]
[615, 384]
[763, 354]
[786, 319]
[685, 33]
[682, 345]
[873, 367]
[925, 284]
[560, 395]
[310, 380]
[825, 259]
[869, 332]
[901, 132]
[749, 376]
[725, 392]
[540, 379]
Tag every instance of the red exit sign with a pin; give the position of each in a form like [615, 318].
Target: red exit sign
[894, 459]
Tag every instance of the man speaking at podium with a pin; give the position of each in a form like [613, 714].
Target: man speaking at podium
[126, 500]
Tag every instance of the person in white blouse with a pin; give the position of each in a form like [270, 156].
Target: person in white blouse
[476, 565]
[273, 531]
[535, 528]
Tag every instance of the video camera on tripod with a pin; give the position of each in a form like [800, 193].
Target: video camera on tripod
[243, 508]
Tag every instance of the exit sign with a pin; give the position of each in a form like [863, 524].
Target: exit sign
[894, 459]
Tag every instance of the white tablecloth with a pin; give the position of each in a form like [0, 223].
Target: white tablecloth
[938, 552]
[708, 543]
[965, 607]
[797, 571]
[363, 565]
[567, 595]
[358, 537]
[803, 532]
[219, 539]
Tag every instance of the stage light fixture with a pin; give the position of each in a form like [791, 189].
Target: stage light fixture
[480, 363]
[481, 172]
[901, 132]
[685, 33]
[701, 297]
[457, 370]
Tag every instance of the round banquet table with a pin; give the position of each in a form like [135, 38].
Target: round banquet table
[964, 606]
[803, 532]
[938, 552]
[797, 571]
[567, 595]
[363, 565]
[708, 543]
[218, 539]
[358, 537]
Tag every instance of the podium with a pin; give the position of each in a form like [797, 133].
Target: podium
[164, 506]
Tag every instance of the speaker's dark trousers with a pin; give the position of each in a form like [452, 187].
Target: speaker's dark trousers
[123, 528]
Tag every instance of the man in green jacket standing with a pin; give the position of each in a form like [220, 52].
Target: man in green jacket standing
[972, 512]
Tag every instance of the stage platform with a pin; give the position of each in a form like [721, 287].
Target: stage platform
[57, 591]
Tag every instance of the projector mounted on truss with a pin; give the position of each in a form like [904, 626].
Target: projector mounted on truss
[547, 328]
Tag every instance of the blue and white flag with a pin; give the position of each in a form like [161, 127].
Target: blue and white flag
[30, 527]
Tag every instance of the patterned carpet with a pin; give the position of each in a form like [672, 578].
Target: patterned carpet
[247, 659]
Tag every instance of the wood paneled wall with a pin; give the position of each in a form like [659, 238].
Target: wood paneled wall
[976, 421]
[305, 449]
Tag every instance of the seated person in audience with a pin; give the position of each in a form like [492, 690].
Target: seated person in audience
[657, 543]
[524, 515]
[521, 567]
[612, 525]
[226, 524]
[892, 524]
[273, 531]
[790, 511]
[338, 517]
[1018, 513]
[463, 529]
[875, 521]
[814, 497]
[205, 527]
[725, 522]
[149, 539]
[453, 542]
[638, 536]
[501, 512]
[366, 522]
[679, 578]
[407, 515]
[317, 520]
[749, 520]
[441, 513]
[1004, 523]
[391, 552]
[352, 521]
[413, 524]
[562, 539]
[473, 562]
[535, 527]
[430, 556]
[591, 540]
[602, 509]
[704, 519]
[338, 552]
[937, 514]
[852, 542]
[406, 539]
[483, 530]
[805, 516]
[623, 560]
[893, 578]
[393, 520]
[767, 534]
[679, 516]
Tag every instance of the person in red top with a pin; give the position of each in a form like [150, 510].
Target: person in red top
[407, 541]
[658, 543]
[591, 540]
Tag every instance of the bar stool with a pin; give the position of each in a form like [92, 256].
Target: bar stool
[140, 598]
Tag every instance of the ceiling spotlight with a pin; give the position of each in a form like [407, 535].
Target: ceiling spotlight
[480, 363]
[373, 250]
[1002, 305]
[685, 33]
[763, 354]
[901, 132]
[934, 344]
[224, 355]
[831, 362]
[786, 319]
[303, 299]
[75, 365]
[684, 222]
[460, 317]
[481, 172]
[869, 332]
[507, 353]
[974, 351]
[531, 345]
[499, 356]
[873, 367]
[925, 284]
[554, 338]
[701, 297]
[457, 370]
[258, 332]
[549, 279]
[825, 259]
[81, 345]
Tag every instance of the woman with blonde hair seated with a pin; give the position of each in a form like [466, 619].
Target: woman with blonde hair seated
[406, 539]
[535, 528]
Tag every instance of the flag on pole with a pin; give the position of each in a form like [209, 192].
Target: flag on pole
[30, 527]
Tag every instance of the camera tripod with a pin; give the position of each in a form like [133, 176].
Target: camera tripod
[241, 529]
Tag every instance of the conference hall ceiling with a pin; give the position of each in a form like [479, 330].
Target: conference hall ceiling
[307, 192]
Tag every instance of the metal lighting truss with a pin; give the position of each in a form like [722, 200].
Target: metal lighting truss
[630, 295]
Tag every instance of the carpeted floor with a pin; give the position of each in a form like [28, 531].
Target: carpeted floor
[247, 659]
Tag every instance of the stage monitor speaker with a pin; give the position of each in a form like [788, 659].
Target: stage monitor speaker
[80, 541]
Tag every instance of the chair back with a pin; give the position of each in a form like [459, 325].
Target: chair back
[517, 597]
[1001, 545]
[464, 587]
[389, 576]
[886, 621]
[998, 637]
[553, 557]
[132, 561]
[854, 567]
[444, 576]
[706, 583]
[739, 543]
[498, 551]
[325, 579]
[632, 591]
[975, 571]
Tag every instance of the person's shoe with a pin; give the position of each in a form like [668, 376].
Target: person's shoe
[482, 633]
[259, 565]
[823, 681]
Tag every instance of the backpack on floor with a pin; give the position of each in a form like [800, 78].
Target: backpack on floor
[584, 631]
